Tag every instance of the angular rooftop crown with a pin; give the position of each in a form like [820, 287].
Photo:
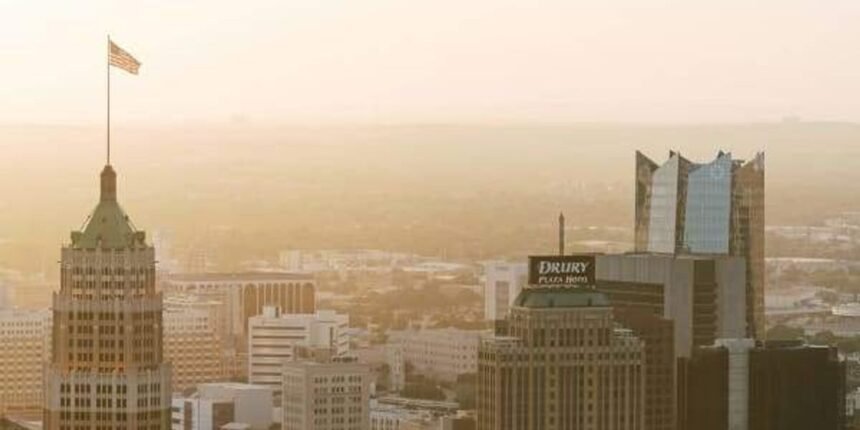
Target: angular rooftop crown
[108, 227]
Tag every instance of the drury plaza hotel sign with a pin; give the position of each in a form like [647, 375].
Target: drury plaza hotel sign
[561, 271]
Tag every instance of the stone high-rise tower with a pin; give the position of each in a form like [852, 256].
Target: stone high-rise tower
[107, 370]
[561, 361]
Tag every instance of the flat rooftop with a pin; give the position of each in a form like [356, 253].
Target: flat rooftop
[235, 386]
[240, 277]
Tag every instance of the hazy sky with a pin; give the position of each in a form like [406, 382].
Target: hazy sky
[410, 60]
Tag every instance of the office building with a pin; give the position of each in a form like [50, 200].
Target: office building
[657, 333]
[502, 283]
[458, 422]
[193, 346]
[6, 295]
[703, 389]
[395, 360]
[224, 405]
[329, 394]
[852, 409]
[107, 366]
[441, 354]
[564, 364]
[215, 309]
[273, 338]
[715, 208]
[343, 261]
[744, 385]
[25, 337]
[243, 295]
[704, 296]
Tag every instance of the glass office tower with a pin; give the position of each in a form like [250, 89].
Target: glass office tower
[715, 208]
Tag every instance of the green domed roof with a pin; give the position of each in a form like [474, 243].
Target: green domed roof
[108, 227]
[560, 298]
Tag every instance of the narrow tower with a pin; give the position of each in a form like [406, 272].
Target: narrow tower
[107, 369]
[561, 233]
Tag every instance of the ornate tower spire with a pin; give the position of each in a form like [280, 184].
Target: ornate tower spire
[108, 184]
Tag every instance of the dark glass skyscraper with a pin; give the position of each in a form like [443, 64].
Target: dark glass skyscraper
[715, 208]
[761, 386]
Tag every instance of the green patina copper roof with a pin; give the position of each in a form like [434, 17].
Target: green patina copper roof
[560, 298]
[108, 227]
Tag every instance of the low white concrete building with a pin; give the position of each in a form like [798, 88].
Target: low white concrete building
[388, 417]
[441, 354]
[272, 338]
[223, 406]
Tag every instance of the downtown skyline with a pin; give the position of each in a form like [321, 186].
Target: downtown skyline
[490, 215]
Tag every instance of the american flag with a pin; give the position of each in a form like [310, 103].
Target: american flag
[117, 57]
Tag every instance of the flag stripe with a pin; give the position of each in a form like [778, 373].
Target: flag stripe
[119, 58]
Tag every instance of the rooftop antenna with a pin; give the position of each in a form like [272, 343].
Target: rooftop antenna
[107, 161]
[561, 233]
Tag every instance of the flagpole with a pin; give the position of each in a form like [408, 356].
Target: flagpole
[108, 100]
